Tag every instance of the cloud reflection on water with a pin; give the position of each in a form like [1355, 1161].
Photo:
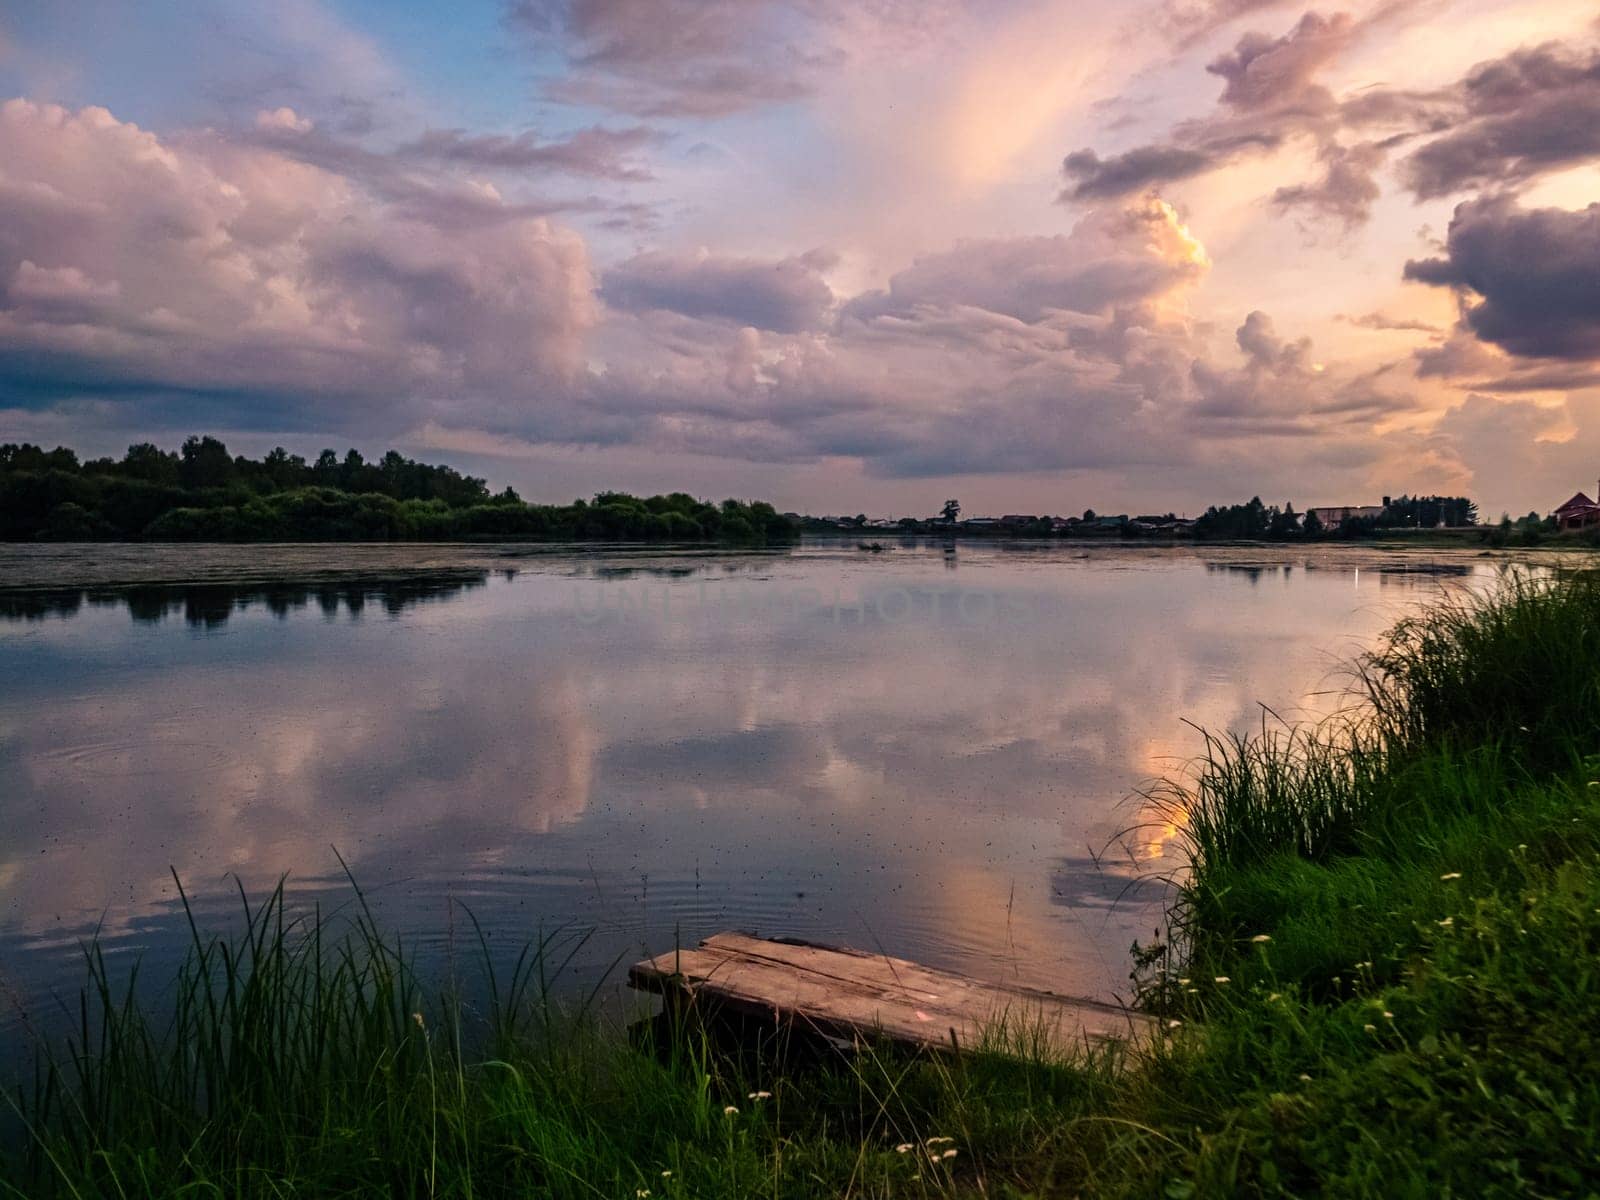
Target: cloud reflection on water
[931, 786]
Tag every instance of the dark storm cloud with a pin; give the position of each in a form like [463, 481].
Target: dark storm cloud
[1093, 177]
[1532, 111]
[1534, 273]
[786, 295]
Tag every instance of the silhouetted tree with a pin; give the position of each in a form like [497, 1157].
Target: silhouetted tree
[205, 463]
[150, 463]
[1285, 523]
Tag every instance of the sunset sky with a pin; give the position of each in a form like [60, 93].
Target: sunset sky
[841, 254]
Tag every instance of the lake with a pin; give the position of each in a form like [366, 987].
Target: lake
[929, 751]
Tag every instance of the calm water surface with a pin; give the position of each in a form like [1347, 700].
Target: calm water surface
[920, 751]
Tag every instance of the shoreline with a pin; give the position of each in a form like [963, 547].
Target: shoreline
[31, 566]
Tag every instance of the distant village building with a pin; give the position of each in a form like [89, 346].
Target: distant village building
[1017, 519]
[1335, 516]
[1578, 513]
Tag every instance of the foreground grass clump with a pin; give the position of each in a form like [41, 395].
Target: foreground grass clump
[1383, 982]
[304, 1057]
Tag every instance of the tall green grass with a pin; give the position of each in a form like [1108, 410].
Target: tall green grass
[305, 1054]
[1382, 981]
[1479, 688]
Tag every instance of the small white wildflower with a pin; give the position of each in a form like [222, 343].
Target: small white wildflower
[1184, 982]
[1370, 1028]
[1451, 875]
[1274, 996]
[1446, 923]
[1262, 937]
[904, 1148]
[666, 1174]
[1222, 979]
[1305, 1079]
[951, 1153]
[1174, 1023]
[1387, 1015]
[730, 1111]
[641, 1193]
[417, 1017]
[760, 1096]
[939, 1141]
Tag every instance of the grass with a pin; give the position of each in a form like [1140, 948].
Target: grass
[1382, 980]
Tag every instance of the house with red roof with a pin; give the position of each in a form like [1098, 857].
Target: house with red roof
[1578, 513]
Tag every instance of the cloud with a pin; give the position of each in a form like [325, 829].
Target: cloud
[1508, 445]
[132, 265]
[671, 57]
[996, 356]
[1383, 321]
[972, 360]
[786, 296]
[424, 178]
[1347, 189]
[705, 58]
[1508, 121]
[1264, 73]
[1270, 94]
[1189, 24]
[1533, 273]
[1532, 111]
[1123, 174]
[596, 151]
[1282, 391]
[283, 118]
[1113, 256]
[1002, 355]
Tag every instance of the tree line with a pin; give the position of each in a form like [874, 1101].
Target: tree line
[1255, 520]
[203, 493]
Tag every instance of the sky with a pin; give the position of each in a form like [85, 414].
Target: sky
[845, 255]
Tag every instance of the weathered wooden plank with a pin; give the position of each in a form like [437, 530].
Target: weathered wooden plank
[853, 994]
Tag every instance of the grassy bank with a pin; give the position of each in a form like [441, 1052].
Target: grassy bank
[1382, 980]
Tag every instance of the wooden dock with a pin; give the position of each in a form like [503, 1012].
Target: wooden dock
[854, 996]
